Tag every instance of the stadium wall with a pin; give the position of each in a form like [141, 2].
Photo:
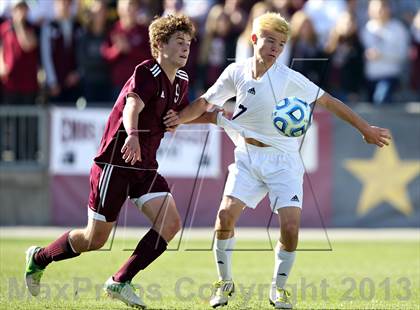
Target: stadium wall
[378, 187]
[24, 198]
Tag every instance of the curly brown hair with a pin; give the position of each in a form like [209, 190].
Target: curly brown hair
[162, 28]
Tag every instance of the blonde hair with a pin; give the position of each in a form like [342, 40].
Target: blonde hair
[270, 21]
[258, 9]
[162, 28]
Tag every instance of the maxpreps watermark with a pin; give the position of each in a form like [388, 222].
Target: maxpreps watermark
[186, 289]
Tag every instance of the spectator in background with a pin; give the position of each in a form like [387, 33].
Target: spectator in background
[173, 7]
[214, 47]
[198, 10]
[39, 10]
[59, 39]
[94, 68]
[223, 26]
[19, 57]
[286, 7]
[404, 10]
[346, 65]
[415, 55]
[359, 10]
[305, 48]
[324, 15]
[127, 44]
[386, 43]
[237, 16]
[148, 9]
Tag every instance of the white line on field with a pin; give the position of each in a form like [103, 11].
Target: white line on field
[409, 234]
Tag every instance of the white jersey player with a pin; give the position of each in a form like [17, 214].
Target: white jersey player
[265, 161]
[256, 98]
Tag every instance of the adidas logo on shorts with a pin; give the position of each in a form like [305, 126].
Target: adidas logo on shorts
[295, 198]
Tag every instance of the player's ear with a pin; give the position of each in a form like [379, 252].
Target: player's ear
[254, 38]
[160, 45]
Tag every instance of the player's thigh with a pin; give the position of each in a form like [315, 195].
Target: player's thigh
[243, 184]
[161, 211]
[152, 196]
[98, 230]
[108, 192]
[285, 182]
[229, 212]
[92, 237]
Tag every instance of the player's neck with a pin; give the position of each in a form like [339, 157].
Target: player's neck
[259, 68]
[168, 68]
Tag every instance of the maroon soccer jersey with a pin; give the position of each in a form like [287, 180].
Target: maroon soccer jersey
[150, 82]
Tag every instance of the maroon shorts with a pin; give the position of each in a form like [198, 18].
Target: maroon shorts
[111, 185]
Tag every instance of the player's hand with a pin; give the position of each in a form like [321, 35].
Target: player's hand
[171, 129]
[212, 116]
[171, 119]
[131, 150]
[377, 135]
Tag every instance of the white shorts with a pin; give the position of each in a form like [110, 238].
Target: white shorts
[261, 170]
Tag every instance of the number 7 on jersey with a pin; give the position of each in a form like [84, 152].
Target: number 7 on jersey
[242, 110]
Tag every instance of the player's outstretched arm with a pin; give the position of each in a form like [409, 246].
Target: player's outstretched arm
[196, 112]
[371, 134]
[131, 148]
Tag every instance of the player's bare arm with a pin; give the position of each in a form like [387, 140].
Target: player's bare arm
[194, 113]
[371, 134]
[131, 148]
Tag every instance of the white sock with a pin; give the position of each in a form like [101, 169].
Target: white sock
[283, 264]
[223, 250]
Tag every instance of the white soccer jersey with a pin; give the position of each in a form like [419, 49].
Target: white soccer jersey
[255, 101]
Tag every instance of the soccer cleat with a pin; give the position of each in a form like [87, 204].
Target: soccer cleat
[33, 273]
[282, 301]
[125, 291]
[222, 290]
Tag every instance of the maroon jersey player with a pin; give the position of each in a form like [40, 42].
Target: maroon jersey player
[159, 94]
[126, 164]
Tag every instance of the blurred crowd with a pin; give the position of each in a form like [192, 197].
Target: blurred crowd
[62, 51]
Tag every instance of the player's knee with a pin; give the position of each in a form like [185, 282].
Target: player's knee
[226, 218]
[170, 229]
[291, 230]
[290, 233]
[175, 226]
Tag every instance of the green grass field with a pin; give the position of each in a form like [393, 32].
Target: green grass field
[354, 275]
